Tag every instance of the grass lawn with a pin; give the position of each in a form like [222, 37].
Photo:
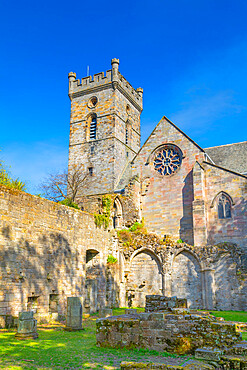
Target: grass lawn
[58, 349]
[231, 315]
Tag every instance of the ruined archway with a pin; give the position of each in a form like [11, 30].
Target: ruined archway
[186, 280]
[144, 278]
[118, 214]
[93, 277]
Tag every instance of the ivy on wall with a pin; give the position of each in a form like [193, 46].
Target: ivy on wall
[103, 219]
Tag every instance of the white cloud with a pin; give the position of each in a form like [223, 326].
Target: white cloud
[202, 110]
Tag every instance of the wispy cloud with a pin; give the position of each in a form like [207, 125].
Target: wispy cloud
[204, 107]
[31, 163]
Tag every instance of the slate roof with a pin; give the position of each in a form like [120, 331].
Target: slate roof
[231, 156]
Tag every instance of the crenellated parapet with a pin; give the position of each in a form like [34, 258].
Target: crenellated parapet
[99, 81]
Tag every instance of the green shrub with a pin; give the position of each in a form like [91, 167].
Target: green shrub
[6, 179]
[111, 259]
[103, 219]
[68, 202]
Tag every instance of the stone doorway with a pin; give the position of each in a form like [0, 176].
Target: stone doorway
[186, 280]
[144, 278]
[93, 274]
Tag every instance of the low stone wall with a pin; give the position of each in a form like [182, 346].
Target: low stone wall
[155, 303]
[179, 331]
[190, 365]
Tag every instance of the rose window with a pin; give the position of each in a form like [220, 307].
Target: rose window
[167, 160]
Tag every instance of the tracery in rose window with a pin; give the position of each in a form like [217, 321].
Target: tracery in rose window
[167, 160]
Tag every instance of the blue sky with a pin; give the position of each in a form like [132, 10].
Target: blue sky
[189, 56]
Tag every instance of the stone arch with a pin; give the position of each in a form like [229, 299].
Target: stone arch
[224, 205]
[118, 214]
[186, 279]
[218, 195]
[151, 155]
[93, 277]
[144, 278]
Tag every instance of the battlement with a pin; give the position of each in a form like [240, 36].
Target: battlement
[111, 78]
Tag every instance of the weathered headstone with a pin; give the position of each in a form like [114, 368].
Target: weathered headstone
[74, 313]
[105, 312]
[130, 311]
[27, 326]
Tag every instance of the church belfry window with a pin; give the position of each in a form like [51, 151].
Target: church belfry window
[224, 206]
[93, 127]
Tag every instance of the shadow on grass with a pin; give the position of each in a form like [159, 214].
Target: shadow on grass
[59, 349]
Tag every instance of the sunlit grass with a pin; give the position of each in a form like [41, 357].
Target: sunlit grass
[231, 315]
[59, 349]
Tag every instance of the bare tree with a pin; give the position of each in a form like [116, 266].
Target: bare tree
[65, 185]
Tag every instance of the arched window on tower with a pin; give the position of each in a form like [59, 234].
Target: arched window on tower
[93, 127]
[224, 205]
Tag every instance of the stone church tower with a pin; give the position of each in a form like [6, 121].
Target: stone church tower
[104, 128]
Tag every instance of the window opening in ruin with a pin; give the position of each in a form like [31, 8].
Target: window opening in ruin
[90, 254]
[93, 126]
[90, 171]
[32, 303]
[118, 214]
[53, 303]
[224, 206]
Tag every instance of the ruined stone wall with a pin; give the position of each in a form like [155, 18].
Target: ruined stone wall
[43, 255]
[209, 277]
[179, 331]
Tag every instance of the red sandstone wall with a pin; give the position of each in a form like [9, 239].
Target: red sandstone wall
[167, 205]
[233, 229]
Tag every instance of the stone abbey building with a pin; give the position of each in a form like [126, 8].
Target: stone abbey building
[192, 202]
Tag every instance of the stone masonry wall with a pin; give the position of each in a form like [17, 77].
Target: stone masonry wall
[234, 229]
[118, 108]
[43, 251]
[167, 201]
[179, 331]
[155, 303]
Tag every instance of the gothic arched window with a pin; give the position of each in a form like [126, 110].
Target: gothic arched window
[224, 205]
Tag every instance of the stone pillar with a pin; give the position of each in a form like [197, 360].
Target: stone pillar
[208, 288]
[27, 326]
[115, 65]
[74, 313]
[72, 78]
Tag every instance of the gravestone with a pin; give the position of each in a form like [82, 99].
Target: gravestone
[27, 326]
[105, 312]
[130, 311]
[74, 313]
